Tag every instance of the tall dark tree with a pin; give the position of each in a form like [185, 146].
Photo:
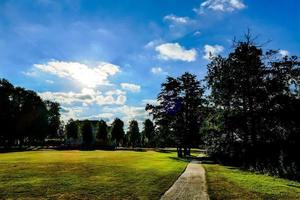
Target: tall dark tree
[72, 129]
[166, 113]
[87, 133]
[149, 133]
[7, 110]
[134, 133]
[179, 113]
[192, 110]
[53, 118]
[117, 131]
[102, 133]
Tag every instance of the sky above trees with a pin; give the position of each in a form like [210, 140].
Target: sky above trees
[107, 59]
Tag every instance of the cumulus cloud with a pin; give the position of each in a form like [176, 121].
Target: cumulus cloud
[105, 116]
[173, 51]
[211, 51]
[131, 87]
[221, 5]
[128, 112]
[87, 96]
[84, 74]
[173, 19]
[283, 53]
[68, 113]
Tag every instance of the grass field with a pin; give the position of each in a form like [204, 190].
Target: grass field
[228, 183]
[87, 174]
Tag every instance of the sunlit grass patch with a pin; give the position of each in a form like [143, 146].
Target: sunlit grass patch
[226, 182]
[88, 174]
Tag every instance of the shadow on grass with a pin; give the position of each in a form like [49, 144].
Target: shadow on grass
[295, 186]
[165, 150]
[179, 159]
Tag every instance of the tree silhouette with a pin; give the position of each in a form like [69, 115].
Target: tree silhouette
[25, 118]
[255, 97]
[149, 133]
[72, 129]
[87, 133]
[102, 133]
[117, 131]
[134, 133]
[178, 115]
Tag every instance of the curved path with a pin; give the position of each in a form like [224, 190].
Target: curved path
[191, 185]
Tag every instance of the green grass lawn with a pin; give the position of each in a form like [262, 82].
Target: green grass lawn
[87, 174]
[226, 182]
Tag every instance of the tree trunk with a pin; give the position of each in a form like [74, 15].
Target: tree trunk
[179, 152]
[185, 151]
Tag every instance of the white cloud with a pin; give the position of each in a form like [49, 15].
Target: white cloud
[87, 96]
[115, 92]
[68, 113]
[86, 75]
[131, 87]
[121, 99]
[157, 70]
[30, 73]
[149, 101]
[128, 112]
[104, 116]
[221, 5]
[283, 53]
[211, 51]
[173, 51]
[177, 20]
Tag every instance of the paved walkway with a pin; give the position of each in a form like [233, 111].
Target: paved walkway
[191, 185]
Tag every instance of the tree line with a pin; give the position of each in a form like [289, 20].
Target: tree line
[25, 119]
[92, 134]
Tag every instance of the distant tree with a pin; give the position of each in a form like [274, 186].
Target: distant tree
[134, 133]
[102, 133]
[148, 133]
[53, 118]
[72, 129]
[117, 132]
[87, 133]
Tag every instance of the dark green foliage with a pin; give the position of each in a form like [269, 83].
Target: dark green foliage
[117, 132]
[134, 134]
[54, 118]
[102, 133]
[256, 98]
[87, 133]
[148, 134]
[180, 112]
[25, 119]
[72, 129]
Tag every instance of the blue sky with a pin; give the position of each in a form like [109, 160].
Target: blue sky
[106, 59]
